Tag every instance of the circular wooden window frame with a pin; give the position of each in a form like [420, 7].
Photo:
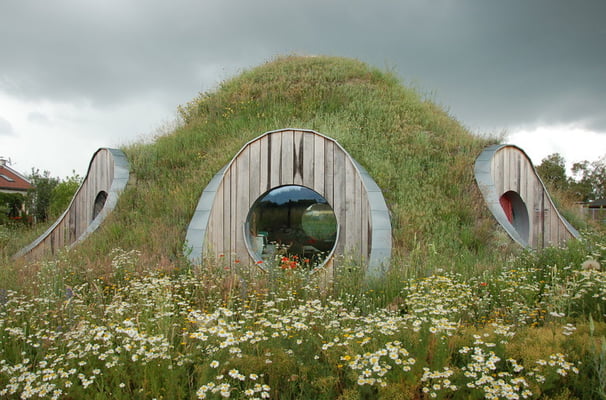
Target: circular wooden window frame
[267, 151]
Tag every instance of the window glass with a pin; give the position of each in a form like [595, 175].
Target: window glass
[292, 226]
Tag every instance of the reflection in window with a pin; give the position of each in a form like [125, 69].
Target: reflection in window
[294, 223]
[99, 203]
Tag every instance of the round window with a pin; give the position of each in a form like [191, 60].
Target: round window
[99, 203]
[291, 226]
[516, 212]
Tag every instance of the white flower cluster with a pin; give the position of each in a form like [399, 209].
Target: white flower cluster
[238, 386]
[373, 366]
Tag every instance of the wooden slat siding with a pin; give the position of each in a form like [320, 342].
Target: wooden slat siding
[223, 218]
[359, 223]
[318, 163]
[306, 159]
[286, 168]
[263, 165]
[233, 217]
[512, 170]
[329, 165]
[275, 166]
[309, 160]
[227, 250]
[243, 168]
[364, 224]
[351, 191]
[76, 220]
[553, 226]
[298, 154]
[339, 192]
[255, 165]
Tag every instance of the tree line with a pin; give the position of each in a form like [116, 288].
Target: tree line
[587, 182]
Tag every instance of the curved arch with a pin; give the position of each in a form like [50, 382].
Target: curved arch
[99, 203]
[292, 157]
[516, 212]
[107, 173]
[518, 199]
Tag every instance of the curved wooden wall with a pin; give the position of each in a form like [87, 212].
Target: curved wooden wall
[292, 157]
[108, 172]
[506, 168]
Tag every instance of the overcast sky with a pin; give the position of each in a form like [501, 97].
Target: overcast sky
[76, 75]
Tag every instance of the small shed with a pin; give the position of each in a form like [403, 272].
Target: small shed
[518, 199]
[291, 194]
[106, 178]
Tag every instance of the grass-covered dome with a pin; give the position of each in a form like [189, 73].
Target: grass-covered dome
[419, 155]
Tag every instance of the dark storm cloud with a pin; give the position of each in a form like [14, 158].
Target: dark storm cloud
[492, 63]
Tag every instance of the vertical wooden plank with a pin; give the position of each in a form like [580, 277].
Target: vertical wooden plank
[308, 159]
[519, 161]
[242, 201]
[507, 169]
[298, 154]
[287, 173]
[351, 189]
[264, 161]
[539, 235]
[274, 169]
[365, 227]
[339, 194]
[523, 190]
[329, 160]
[219, 230]
[556, 224]
[254, 170]
[358, 194]
[497, 171]
[227, 215]
[318, 165]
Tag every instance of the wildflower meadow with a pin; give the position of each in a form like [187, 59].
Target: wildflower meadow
[527, 330]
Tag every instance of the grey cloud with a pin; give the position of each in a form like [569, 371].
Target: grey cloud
[6, 129]
[38, 117]
[491, 63]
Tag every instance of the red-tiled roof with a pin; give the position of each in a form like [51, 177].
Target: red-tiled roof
[12, 180]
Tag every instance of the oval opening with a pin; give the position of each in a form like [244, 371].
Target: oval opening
[290, 227]
[516, 212]
[99, 203]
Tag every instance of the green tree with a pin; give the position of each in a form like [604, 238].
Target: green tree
[39, 198]
[589, 181]
[63, 193]
[10, 206]
[553, 171]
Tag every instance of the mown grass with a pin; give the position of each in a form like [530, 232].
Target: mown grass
[125, 316]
